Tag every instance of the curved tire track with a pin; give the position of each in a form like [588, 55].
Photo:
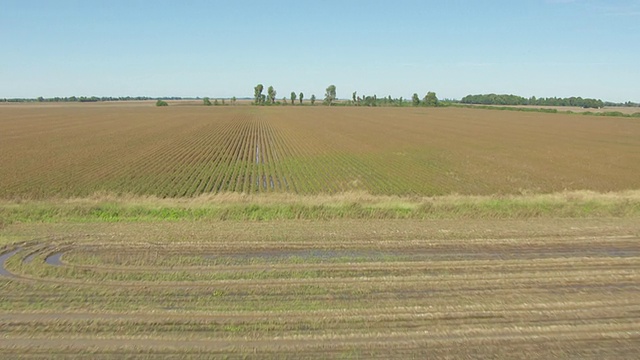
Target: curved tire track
[624, 268]
[3, 258]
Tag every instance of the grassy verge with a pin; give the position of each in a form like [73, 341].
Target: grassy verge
[111, 208]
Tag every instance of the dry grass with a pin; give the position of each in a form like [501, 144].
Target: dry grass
[108, 207]
[453, 233]
[341, 289]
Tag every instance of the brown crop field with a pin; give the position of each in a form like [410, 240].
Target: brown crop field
[185, 151]
[134, 231]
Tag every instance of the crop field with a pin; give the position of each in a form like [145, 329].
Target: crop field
[563, 288]
[186, 151]
[134, 231]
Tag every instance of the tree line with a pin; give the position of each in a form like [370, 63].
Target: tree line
[502, 99]
[207, 102]
[330, 98]
[270, 97]
[90, 99]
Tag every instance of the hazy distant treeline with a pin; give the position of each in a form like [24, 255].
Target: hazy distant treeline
[480, 99]
[502, 99]
[89, 99]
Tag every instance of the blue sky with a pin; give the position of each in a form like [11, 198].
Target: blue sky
[587, 48]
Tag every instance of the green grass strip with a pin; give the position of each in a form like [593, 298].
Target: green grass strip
[242, 207]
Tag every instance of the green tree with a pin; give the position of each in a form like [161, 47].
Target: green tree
[301, 96]
[161, 103]
[233, 100]
[370, 100]
[431, 99]
[415, 100]
[257, 94]
[215, 102]
[330, 95]
[313, 99]
[293, 98]
[206, 101]
[272, 94]
[354, 96]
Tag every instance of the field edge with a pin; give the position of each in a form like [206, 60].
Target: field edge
[109, 207]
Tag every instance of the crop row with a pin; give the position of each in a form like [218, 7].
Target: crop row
[186, 152]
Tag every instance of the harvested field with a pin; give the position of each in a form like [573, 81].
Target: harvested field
[185, 151]
[132, 231]
[553, 288]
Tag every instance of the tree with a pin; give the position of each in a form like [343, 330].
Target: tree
[301, 96]
[354, 96]
[206, 101]
[293, 98]
[161, 103]
[257, 94]
[431, 99]
[272, 94]
[233, 100]
[415, 100]
[313, 99]
[370, 100]
[330, 95]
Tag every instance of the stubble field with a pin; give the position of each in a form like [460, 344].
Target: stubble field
[565, 288]
[133, 231]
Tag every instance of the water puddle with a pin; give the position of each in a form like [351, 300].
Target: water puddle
[33, 255]
[54, 259]
[3, 258]
[315, 254]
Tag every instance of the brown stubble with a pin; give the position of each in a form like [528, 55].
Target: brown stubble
[378, 288]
